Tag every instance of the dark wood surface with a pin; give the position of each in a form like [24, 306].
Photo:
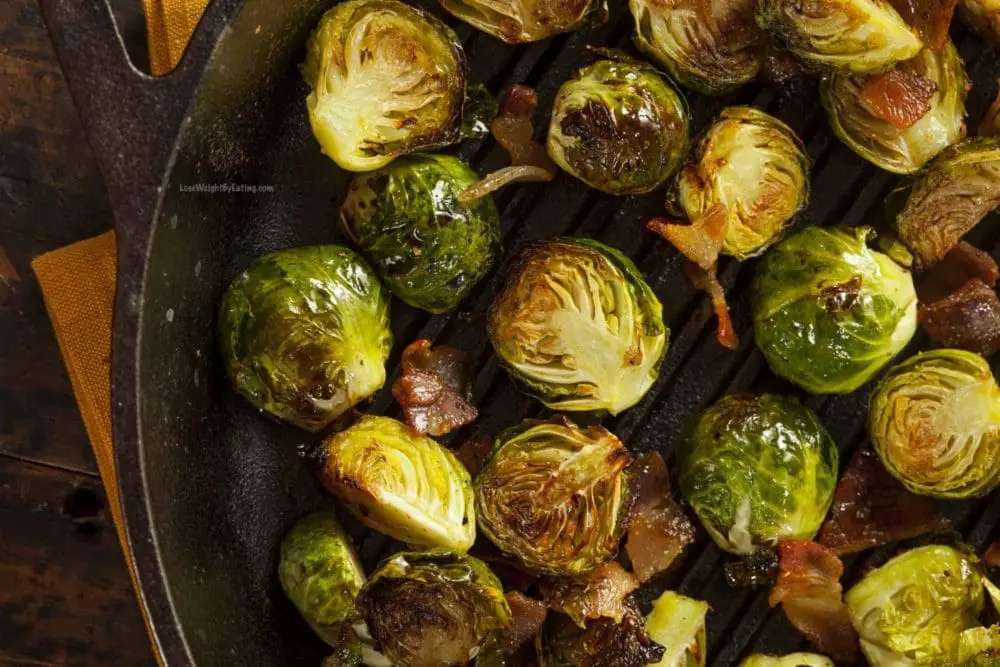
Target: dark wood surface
[65, 593]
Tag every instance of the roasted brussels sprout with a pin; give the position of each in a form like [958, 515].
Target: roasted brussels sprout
[556, 496]
[387, 79]
[305, 334]
[711, 47]
[758, 469]
[793, 660]
[983, 16]
[842, 35]
[757, 169]
[619, 127]
[913, 609]
[578, 325]
[604, 643]
[321, 574]
[428, 247]
[935, 422]
[899, 121]
[678, 624]
[828, 311]
[433, 608]
[401, 483]
[518, 21]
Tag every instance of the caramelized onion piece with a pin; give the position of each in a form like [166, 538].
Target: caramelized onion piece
[901, 96]
[931, 18]
[992, 557]
[708, 282]
[434, 389]
[603, 593]
[701, 241]
[526, 616]
[968, 319]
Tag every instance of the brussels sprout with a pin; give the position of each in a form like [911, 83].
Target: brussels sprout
[793, 660]
[429, 248]
[556, 496]
[401, 483]
[757, 168]
[518, 21]
[321, 574]
[711, 47]
[433, 608]
[935, 422]
[578, 325]
[678, 624]
[902, 150]
[758, 469]
[829, 312]
[842, 35]
[387, 79]
[619, 127]
[305, 334]
[979, 647]
[913, 609]
[983, 16]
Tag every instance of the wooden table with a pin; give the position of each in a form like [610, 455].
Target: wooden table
[65, 593]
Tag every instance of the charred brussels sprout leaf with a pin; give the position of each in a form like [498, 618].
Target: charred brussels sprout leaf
[759, 469]
[678, 624]
[843, 35]
[518, 21]
[896, 144]
[578, 325]
[556, 496]
[935, 422]
[604, 643]
[983, 16]
[829, 312]
[428, 247]
[387, 79]
[711, 47]
[433, 608]
[792, 660]
[320, 573]
[619, 127]
[305, 334]
[401, 483]
[757, 169]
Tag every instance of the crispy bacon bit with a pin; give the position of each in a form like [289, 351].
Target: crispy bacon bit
[901, 96]
[603, 593]
[708, 282]
[755, 570]
[871, 508]
[526, 616]
[606, 643]
[474, 453]
[809, 591]
[962, 263]
[660, 530]
[992, 557]
[990, 124]
[968, 319]
[434, 389]
[701, 241]
[931, 18]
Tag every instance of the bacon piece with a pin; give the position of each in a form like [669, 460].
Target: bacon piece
[708, 282]
[606, 643]
[701, 241]
[968, 319]
[526, 616]
[901, 96]
[963, 263]
[992, 557]
[810, 593]
[660, 530]
[931, 18]
[434, 389]
[603, 593]
[474, 453]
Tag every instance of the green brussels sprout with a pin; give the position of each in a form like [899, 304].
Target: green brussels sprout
[793, 660]
[556, 496]
[755, 166]
[321, 574]
[913, 609]
[757, 470]
[305, 334]
[578, 325]
[678, 624]
[432, 608]
[843, 35]
[401, 483]
[519, 21]
[710, 47]
[935, 422]
[902, 150]
[983, 16]
[387, 79]
[828, 311]
[428, 247]
[979, 647]
[619, 127]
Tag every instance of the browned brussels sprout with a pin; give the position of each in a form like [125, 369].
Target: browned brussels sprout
[603, 643]
[983, 16]
[517, 21]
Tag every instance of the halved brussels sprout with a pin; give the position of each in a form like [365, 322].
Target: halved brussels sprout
[711, 47]
[556, 496]
[913, 609]
[843, 35]
[678, 624]
[758, 469]
[518, 21]
[321, 574]
[757, 168]
[792, 660]
[401, 483]
[578, 325]
[387, 79]
[305, 334]
[935, 423]
[902, 150]
[428, 247]
[983, 16]
[433, 608]
[829, 312]
[619, 127]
